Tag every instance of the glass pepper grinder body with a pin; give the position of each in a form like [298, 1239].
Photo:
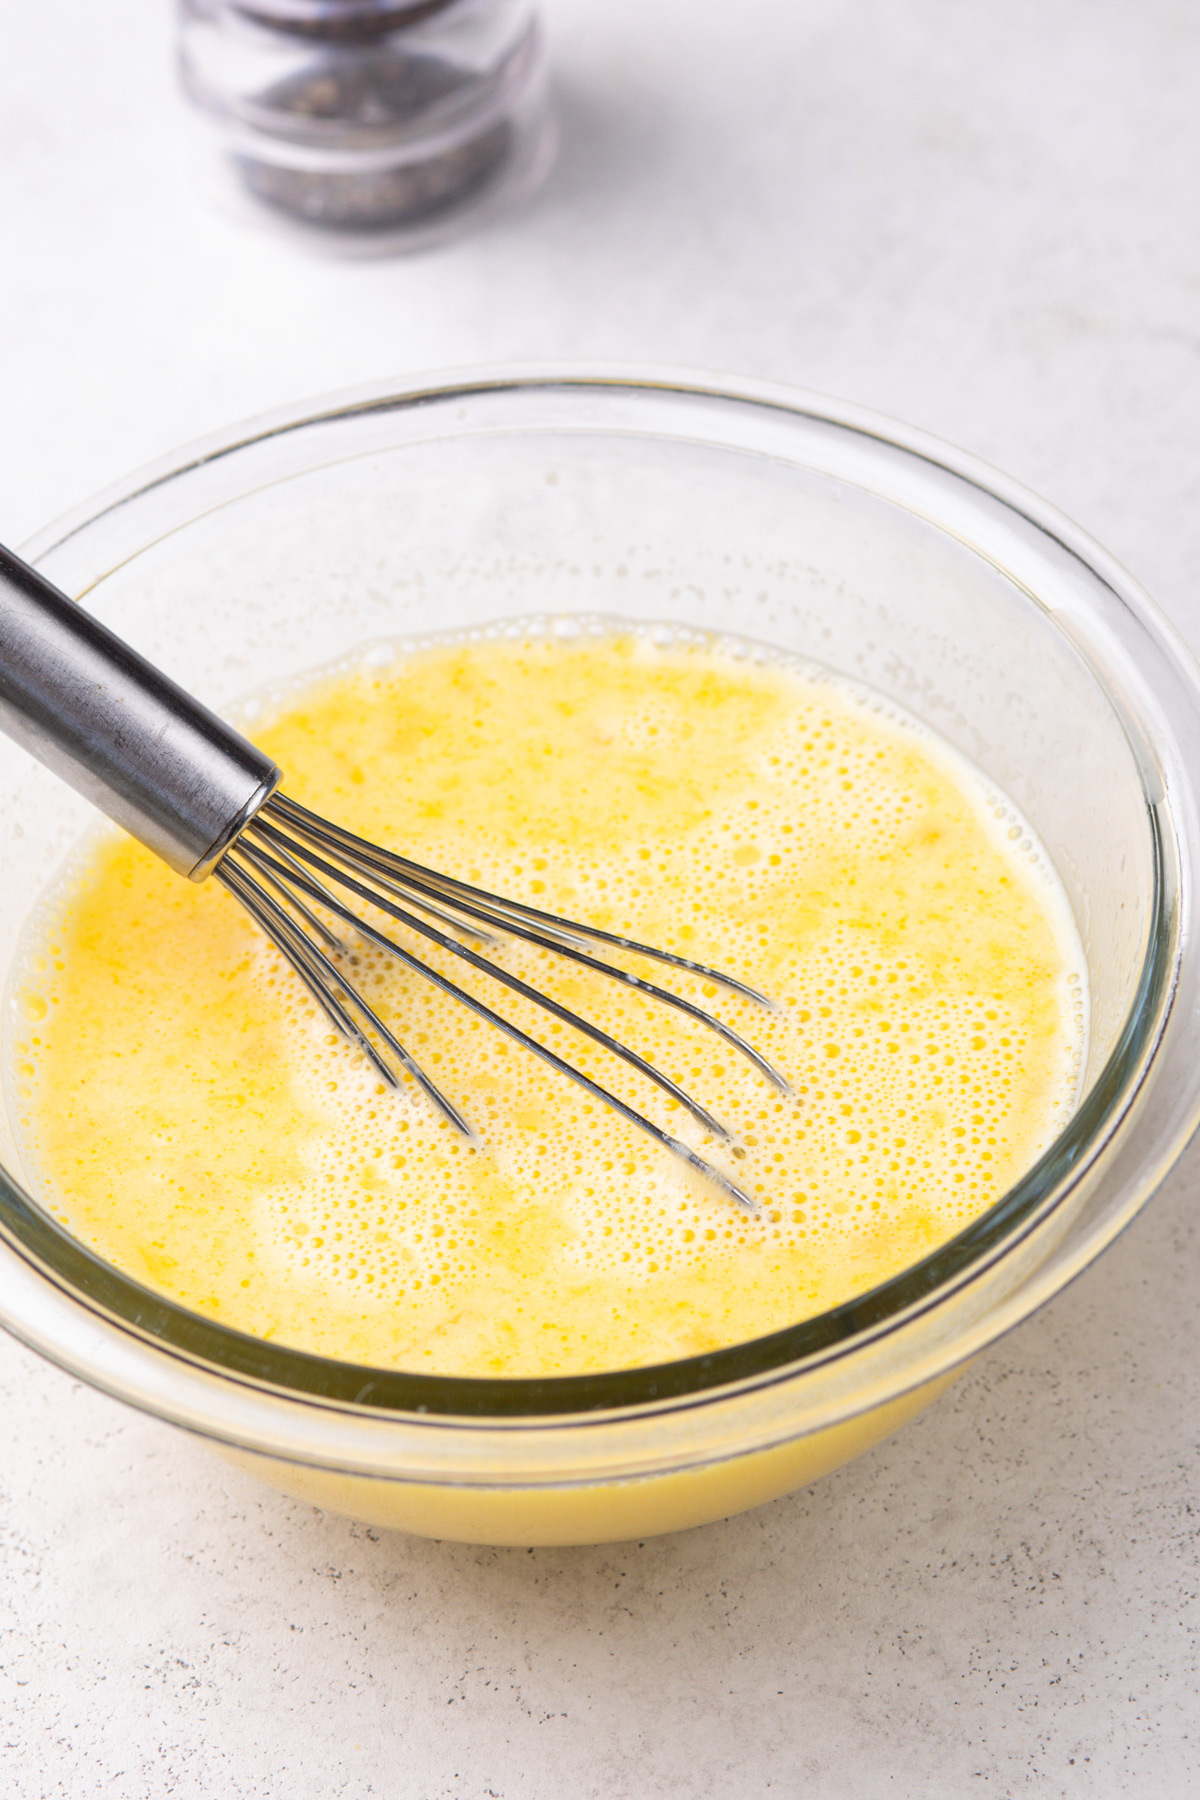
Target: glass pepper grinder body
[373, 124]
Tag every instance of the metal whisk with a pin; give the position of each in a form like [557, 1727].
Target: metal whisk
[206, 800]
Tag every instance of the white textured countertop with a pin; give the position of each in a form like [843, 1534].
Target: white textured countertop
[985, 218]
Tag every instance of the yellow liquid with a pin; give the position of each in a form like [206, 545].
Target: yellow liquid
[190, 1114]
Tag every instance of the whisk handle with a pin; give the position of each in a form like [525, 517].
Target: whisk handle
[118, 730]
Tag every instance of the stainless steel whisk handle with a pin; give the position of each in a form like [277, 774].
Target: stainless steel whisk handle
[118, 730]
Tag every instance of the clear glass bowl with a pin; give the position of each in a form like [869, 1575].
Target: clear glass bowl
[748, 509]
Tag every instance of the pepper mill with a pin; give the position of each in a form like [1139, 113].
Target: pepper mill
[371, 125]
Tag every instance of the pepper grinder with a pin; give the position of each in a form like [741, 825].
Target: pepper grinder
[371, 125]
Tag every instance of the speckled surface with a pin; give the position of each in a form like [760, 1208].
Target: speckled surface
[986, 219]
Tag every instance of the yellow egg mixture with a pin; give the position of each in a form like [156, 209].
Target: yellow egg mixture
[190, 1113]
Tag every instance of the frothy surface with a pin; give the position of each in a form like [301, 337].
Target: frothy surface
[189, 1112]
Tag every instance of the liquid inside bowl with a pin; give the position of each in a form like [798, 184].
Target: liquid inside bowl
[214, 1138]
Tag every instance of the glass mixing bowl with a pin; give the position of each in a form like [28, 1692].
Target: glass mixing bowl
[744, 509]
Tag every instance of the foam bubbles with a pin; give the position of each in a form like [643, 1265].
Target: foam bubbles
[711, 796]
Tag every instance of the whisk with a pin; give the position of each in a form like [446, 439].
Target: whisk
[207, 801]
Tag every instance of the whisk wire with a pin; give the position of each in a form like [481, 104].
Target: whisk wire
[264, 863]
[365, 854]
[599, 1036]
[293, 901]
[560, 947]
[273, 920]
[303, 956]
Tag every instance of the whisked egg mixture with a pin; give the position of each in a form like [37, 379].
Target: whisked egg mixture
[187, 1110]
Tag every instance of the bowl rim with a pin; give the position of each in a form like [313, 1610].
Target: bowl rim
[1052, 1181]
